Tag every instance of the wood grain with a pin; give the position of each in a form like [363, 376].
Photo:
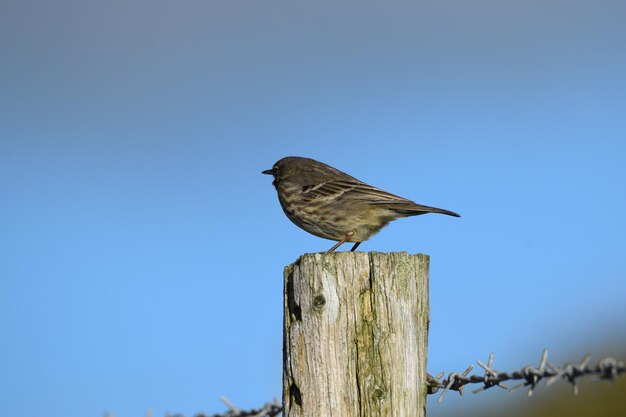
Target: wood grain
[355, 335]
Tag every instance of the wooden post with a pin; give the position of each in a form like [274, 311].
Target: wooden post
[355, 335]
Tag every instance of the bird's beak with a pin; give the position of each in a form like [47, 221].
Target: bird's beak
[267, 172]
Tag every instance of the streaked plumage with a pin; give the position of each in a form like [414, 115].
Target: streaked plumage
[334, 205]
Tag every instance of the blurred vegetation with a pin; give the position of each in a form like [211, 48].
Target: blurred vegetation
[594, 399]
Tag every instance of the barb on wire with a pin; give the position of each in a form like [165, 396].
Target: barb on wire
[607, 368]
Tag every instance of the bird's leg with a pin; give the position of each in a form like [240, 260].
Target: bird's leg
[341, 242]
[346, 238]
[356, 245]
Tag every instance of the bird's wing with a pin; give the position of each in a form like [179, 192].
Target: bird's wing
[360, 192]
[356, 190]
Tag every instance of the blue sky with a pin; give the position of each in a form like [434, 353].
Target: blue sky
[141, 250]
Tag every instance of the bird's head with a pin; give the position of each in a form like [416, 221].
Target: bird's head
[290, 166]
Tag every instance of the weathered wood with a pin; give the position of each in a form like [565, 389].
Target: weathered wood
[355, 335]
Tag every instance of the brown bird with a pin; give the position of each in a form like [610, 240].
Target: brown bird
[331, 204]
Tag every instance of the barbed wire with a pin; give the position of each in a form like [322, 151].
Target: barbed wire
[268, 410]
[606, 369]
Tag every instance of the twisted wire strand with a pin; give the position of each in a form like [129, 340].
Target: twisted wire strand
[607, 369]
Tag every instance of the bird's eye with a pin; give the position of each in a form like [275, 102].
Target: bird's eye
[275, 170]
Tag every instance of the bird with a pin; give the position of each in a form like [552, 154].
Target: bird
[331, 204]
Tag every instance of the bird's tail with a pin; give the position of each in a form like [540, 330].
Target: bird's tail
[417, 209]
